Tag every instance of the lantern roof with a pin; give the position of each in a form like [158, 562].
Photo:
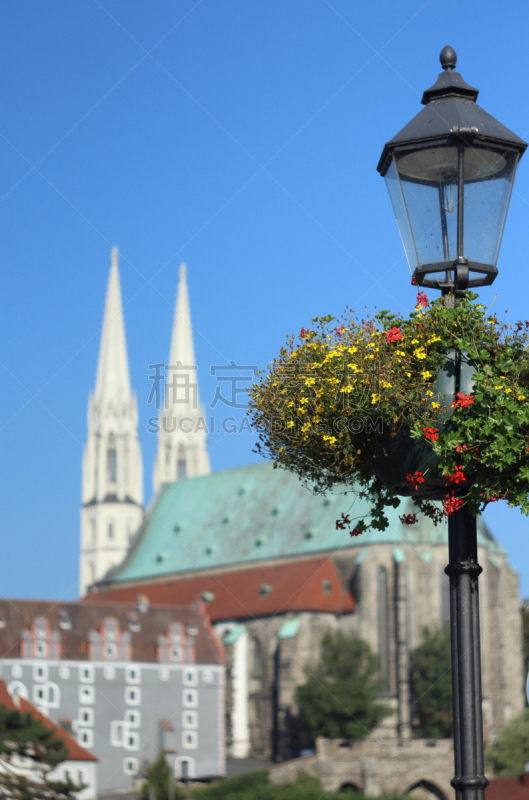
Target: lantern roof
[451, 110]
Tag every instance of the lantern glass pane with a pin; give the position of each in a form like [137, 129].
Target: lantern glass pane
[423, 188]
[489, 178]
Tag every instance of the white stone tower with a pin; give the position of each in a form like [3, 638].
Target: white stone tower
[182, 451]
[112, 468]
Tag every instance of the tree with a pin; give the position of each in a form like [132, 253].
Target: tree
[158, 776]
[29, 750]
[338, 699]
[431, 680]
[510, 751]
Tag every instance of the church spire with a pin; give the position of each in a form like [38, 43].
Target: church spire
[182, 451]
[112, 382]
[112, 468]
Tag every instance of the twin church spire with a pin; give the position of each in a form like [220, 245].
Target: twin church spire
[112, 489]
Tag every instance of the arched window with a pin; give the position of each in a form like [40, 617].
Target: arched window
[256, 658]
[111, 459]
[383, 626]
[110, 530]
[181, 466]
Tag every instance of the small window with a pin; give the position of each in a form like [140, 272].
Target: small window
[132, 675]
[190, 677]
[85, 736]
[86, 695]
[132, 696]
[163, 674]
[190, 739]
[40, 672]
[86, 716]
[110, 673]
[39, 694]
[118, 731]
[64, 673]
[189, 719]
[40, 649]
[80, 776]
[18, 688]
[176, 653]
[110, 651]
[16, 671]
[133, 718]
[190, 698]
[110, 530]
[132, 740]
[130, 766]
[86, 674]
[207, 676]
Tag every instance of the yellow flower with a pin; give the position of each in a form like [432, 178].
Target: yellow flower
[385, 384]
[347, 389]
[419, 354]
[400, 352]
[290, 424]
[436, 405]
[434, 339]
[317, 419]
[304, 399]
[374, 398]
[290, 404]
[479, 306]
[330, 439]
[352, 350]
[408, 374]
[426, 374]
[302, 411]
[429, 393]
[310, 381]
[305, 427]
[415, 341]
[371, 344]
[508, 390]
[498, 387]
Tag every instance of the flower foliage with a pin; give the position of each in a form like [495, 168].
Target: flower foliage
[322, 406]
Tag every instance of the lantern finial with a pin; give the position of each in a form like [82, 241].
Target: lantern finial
[448, 58]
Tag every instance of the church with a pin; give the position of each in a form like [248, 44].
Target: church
[266, 558]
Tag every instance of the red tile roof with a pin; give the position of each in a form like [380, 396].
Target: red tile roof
[144, 627]
[75, 751]
[311, 585]
[508, 789]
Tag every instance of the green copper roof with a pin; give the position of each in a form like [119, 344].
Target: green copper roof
[256, 513]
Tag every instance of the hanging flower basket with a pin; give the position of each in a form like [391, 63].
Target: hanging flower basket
[373, 405]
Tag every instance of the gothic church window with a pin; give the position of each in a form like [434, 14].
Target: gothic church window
[256, 658]
[111, 459]
[383, 626]
[181, 466]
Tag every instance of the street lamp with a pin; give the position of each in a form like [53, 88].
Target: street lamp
[450, 173]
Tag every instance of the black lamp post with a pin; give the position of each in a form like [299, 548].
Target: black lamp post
[450, 173]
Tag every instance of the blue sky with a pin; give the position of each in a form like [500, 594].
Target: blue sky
[242, 138]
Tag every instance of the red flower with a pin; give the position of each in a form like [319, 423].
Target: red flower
[341, 523]
[355, 532]
[413, 281]
[457, 476]
[303, 333]
[339, 331]
[408, 519]
[463, 400]
[422, 299]
[431, 433]
[451, 504]
[394, 334]
[415, 480]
